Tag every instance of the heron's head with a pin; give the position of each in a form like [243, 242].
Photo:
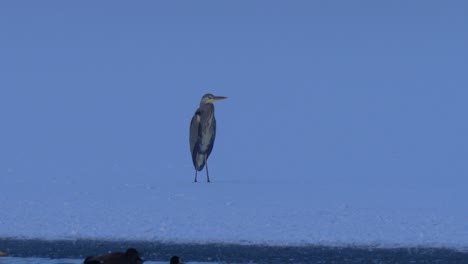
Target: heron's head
[209, 99]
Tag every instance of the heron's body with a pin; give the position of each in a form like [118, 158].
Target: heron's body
[202, 137]
[203, 133]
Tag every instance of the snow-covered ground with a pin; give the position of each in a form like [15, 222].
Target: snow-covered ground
[345, 124]
[172, 208]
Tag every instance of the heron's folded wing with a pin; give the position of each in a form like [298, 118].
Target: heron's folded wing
[194, 130]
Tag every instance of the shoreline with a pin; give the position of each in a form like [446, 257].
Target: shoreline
[226, 252]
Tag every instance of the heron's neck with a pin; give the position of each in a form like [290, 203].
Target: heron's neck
[205, 107]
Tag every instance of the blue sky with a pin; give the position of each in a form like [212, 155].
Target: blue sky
[350, 94]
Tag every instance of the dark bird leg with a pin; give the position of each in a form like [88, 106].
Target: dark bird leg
[207, 176]
[195, 176]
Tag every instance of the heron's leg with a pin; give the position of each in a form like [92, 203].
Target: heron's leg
[195, 176]
[206, 164]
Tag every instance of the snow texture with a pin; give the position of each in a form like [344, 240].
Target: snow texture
[178, 210]
[344, 124]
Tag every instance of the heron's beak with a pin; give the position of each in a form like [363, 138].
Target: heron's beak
[217, 98]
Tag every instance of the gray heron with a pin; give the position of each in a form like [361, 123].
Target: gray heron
[203, 133]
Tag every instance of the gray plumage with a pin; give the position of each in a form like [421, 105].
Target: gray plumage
[203, 133]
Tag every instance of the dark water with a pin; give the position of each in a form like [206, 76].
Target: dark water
[230, 253]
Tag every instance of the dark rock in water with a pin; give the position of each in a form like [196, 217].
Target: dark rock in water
[131, 256]
[176, 260]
